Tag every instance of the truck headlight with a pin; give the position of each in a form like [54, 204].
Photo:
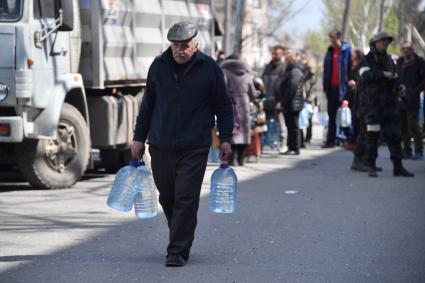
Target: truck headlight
[4, 91]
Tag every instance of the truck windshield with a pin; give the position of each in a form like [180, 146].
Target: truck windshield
[10, 10]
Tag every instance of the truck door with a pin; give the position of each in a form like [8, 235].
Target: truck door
[51, 57]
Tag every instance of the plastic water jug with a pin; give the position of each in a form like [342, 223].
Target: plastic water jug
[223, 190]
[271, 137]
[145, 201]
[323, 119]
[303, 119]
[121, 196]
[343, 117]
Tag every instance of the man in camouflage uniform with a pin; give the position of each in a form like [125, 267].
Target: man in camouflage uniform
[381, 89]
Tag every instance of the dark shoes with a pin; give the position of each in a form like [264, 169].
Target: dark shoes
[329, 145]
[359, 165]
[175, 261]
[399, 170]
[291, 152]
[402, 172]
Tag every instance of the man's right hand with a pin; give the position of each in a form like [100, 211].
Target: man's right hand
[225, 151]
[137, 150]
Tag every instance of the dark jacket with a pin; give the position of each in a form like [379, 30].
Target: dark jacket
[355, 97]
[309, 84]
[291, 94]
[179, 114]
[379, 93]
[412, 75]
[344, 69]
[272, 73]
[240, 85]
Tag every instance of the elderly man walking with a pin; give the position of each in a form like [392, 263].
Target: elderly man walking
[185, 89]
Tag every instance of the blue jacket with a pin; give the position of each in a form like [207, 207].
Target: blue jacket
[179, 114]
[344, 70]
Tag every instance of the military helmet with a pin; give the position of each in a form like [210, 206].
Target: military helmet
[380, 35]
[182, 31]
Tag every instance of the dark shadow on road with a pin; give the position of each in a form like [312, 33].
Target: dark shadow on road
[12, 180]
[335, 226]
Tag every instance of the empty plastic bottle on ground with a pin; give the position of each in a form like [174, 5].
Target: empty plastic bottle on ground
[145, 202]
[121, 196]
[223, 190]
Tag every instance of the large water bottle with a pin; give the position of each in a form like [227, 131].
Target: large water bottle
[145, 202]
[121, 196]
[343, 117]
[303, 118]
[223, 190]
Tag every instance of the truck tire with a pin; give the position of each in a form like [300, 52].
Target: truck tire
[57, 163]
[114, 159]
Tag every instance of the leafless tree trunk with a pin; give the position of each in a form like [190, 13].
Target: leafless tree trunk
[345, 19]
[381, 15]
[227, 26]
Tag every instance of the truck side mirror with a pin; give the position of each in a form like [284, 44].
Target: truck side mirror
[67, 7]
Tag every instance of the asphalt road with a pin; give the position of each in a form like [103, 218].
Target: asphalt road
[299, 219]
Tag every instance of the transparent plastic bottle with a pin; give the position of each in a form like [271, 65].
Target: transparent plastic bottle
[121, 196]
[223, 190]
[145, 201]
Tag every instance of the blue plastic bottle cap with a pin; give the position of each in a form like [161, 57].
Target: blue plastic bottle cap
[224, 165]
[133, 163]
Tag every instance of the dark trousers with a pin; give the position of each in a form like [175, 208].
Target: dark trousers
[410, 128]
[333, 105]
[359, 149]
[309, 131]
[178, 175]
[294, 134]
[389, 124]
[238, 152]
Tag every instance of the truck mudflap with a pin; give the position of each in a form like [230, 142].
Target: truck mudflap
[11, 129]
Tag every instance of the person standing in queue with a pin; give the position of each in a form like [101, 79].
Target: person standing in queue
[378, 75]
[336, 72]
[185, 89]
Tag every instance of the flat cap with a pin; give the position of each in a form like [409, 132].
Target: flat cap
[182, 31]
[381, 35]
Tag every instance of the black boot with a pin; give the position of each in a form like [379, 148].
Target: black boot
[372, 172]
[358, 165]
[399, 170]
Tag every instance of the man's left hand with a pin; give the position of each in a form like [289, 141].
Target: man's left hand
[402, 90]
[225, 151]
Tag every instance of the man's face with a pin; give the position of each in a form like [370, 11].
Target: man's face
[335, 40]
[382, 45]
[407, 50]
[184, 50]
[277, 54]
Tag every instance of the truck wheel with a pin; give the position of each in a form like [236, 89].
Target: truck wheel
[57, 163]
[114, 159]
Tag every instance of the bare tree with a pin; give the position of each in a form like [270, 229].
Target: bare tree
[279, 12]
[383, 12]
[363, 21]
[345, 19]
